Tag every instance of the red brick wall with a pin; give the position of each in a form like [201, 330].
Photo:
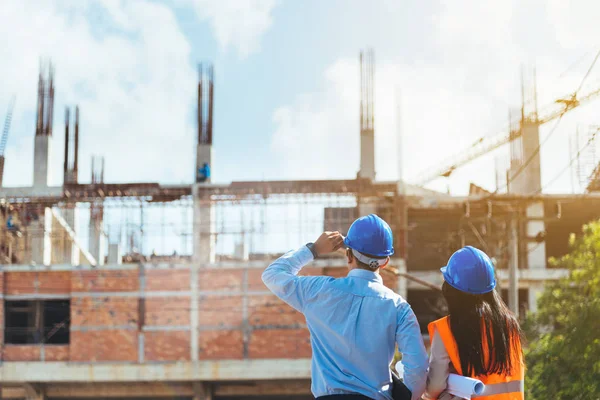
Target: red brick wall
[19, 282]
[220, 345]
[167, 279]
[220, 311]
[279, 343]
[104, 345]
[269, 310]
[13, 352]
[54, 282]
[56, 353]
[104, 311]
[229, 280]
[167, 346]
[272, 329]
[105, 281]
[167, 311]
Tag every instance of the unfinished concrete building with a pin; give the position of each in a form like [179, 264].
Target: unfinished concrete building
[113, 319]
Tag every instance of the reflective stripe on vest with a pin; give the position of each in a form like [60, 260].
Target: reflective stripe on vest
[497, 387]
[501, 388]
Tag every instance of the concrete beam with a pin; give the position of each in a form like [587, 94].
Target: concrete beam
[240, 370]
[120, 390]
[295, 387]
[12, 392]
[527, 277]
[167, 389]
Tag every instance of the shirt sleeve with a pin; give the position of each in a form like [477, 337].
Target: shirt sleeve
[414, 356]
[439, 368]
[281, 277]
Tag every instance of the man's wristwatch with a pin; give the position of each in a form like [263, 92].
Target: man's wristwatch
[311, 247]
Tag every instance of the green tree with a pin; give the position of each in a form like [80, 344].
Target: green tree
[563, 355]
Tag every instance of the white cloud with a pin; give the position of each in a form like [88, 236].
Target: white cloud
[126, 64]
[237, 23]
[463, 92]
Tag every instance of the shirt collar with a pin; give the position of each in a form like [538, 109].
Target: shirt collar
[364, 274]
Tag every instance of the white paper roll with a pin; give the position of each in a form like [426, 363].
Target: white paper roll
[464, 387]
[400, 369]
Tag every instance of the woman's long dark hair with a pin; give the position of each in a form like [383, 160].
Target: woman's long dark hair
[469, 314]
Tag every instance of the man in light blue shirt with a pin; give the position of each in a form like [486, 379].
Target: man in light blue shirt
[354, 322]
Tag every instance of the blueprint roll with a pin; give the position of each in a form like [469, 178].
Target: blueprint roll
[464, 387]
[400, 369]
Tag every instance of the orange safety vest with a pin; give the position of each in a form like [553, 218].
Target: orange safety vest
[497, 387]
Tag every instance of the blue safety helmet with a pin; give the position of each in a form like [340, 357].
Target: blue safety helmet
[370, 235]
[470, 270]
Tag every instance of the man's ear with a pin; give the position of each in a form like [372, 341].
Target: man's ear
[349, 255]
[386, 263]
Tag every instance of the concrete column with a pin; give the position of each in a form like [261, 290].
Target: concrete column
[513, 269]
[97, 238]
[535, 289]
[529, 179]
[204, 229]
[194, 312]
[400, 265]
[203, 391]
[41, 166]
[71, 217]
[367, 154]
[114, 254]
[41, 240]
[204, 154]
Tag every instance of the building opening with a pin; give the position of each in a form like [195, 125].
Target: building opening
[37, 321]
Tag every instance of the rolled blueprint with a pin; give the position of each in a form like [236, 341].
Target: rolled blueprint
[464, 387]
[400, 369]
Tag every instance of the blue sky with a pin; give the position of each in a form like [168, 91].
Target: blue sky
[287, 82]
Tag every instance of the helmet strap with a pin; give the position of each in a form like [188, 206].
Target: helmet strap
[373, 263]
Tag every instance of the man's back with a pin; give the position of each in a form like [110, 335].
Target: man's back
[354, 324]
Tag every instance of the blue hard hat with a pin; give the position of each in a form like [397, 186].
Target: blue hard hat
[370, 235]
[470, 270]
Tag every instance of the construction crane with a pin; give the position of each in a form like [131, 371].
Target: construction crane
[486, 144]
[7, 121]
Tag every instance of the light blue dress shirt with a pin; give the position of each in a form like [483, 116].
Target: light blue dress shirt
[354, 324]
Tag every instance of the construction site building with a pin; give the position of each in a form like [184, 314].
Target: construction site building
[107, 318]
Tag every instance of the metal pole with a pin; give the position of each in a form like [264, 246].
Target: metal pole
[513, 266]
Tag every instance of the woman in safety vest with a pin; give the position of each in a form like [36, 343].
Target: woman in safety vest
[480, 338]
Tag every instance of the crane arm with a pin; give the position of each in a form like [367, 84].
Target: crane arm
[490, 143]
[6, 129]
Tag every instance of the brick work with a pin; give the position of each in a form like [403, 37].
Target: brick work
[269, 310]
[228, 280]
[14, 352]
[19, 282]
[104, 311]
[105, 281]
[219, 345]
[167, 346]
[255, 283]
[167, 279]
[279, 343]
[220, 310]
[167, 311]
[54, 282]
[56, 353]
[104, 345]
